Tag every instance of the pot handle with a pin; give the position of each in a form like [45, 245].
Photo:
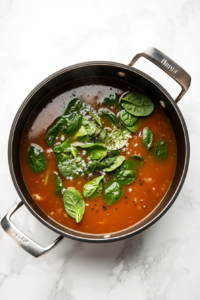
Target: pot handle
[167, 65]
[21, 239]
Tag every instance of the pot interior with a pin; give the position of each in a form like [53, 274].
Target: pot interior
[107, 74]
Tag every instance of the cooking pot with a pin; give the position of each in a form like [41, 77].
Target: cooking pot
[112, 70]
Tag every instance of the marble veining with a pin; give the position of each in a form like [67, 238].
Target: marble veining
[41, 37]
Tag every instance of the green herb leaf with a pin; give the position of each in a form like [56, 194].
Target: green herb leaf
[113, 192]
[97, 118]
[111, 99]
[133, 128]
[97, 151]
[147, 138]
[125, 177]
[74, 204]
[74, 152]
[62, 148]
[60, 188]
[127, 118]
[66, 124]
[88, 130]
[36, 159]
[113, 153]
[74, 105]
[119, 160]
[137, 104]
[161, 149]
[97, 165]
[117, 139]
[93, 188]
[108, 114]
[138, 160]
[68, 167]
[127, 165]
[102, 135]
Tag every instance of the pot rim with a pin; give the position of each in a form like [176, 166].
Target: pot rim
[105, 237]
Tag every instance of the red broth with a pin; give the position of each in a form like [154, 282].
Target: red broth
[140, 198]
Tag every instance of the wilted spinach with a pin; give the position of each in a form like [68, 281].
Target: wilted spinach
[117, 139]
[36, 159]
[111, 99]
[113, 192]
[68, 166]
[108, 114]
[97, 118]
[74, 204]
[96, 151]
[125, 177]
[60, 188]
[63, 148]
[102, 135]
[127, 165]
[93, 188]
[97, 165]
[147, 138]
[127, 118]
[66, 124]
[74, 105]
[161, 149]
[137, 104]
[118, 161]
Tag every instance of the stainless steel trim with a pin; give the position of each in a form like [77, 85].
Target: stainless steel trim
[23, 240]
[167, 65]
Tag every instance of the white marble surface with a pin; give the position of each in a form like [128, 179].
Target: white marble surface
[38, 37]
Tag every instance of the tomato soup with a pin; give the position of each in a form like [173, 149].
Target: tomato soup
[135, 191]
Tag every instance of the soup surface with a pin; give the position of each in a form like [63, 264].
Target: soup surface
[151, 175]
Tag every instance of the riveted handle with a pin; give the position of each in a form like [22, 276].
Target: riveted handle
[21, 239]
[167, 65]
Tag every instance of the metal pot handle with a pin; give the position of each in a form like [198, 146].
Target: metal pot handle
[167, 65]
[21, 239]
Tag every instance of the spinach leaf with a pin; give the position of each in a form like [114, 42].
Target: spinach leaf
[74, 204]
[147, 138]
[60, 188]
[97, 165]
[108, 114]
[68, 167]
[74, 152]
[113, 192]
[66, 124]
[127, 118]
[133, 128]
[125, 177]
[66, 148]
[127, 165]
[117, 139]
[97, 119]
[138, 160]
[137, 104]
[72, 122]
[62, 148]
[97, 151]
[161, 149]
[88, 130]
[74, 105]
[36, 159]
[82, 134]
[53, 131]
[119, 160]
[93, 188]
[114, 153]
[90, 125]
[111, 99]
[102, 135]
